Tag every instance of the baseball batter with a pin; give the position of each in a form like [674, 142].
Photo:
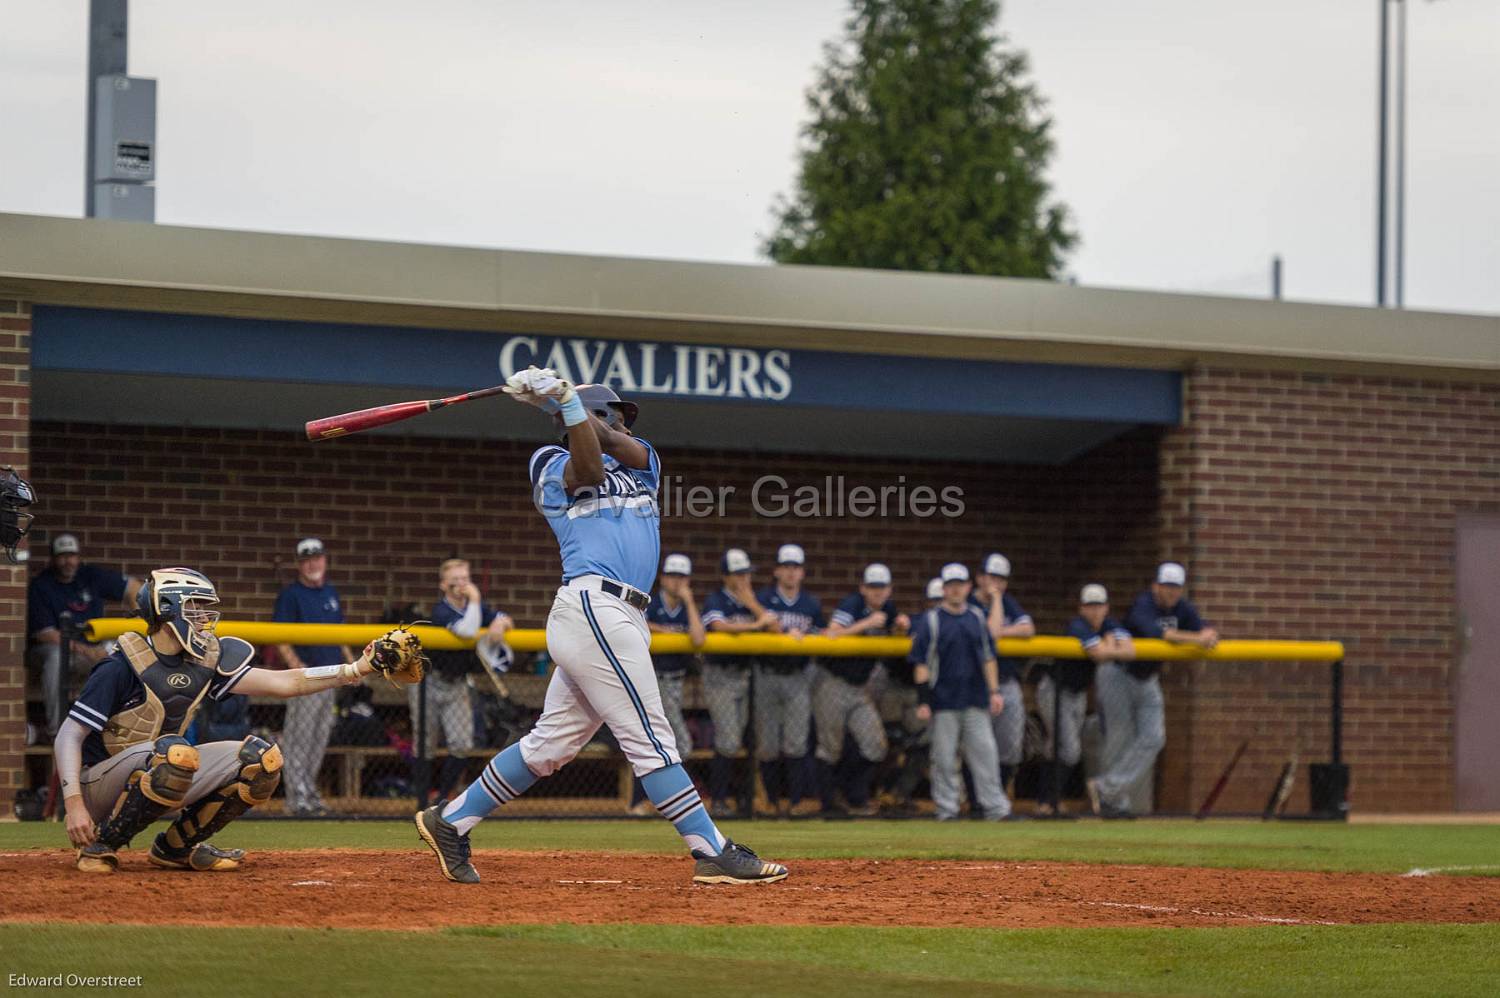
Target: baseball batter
[599, 496]
[121, 757]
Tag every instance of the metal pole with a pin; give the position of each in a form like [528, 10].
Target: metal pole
[108, 33]
[424, 764]
[1381, 186]
[1337, 714]
[1400, 179]
[1276, 277]
[67, 631]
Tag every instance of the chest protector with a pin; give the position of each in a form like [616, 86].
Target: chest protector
[173, 693]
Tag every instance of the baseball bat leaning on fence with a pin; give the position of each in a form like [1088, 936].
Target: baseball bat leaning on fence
[1213, 795]
[1283, 789]
[367, 419]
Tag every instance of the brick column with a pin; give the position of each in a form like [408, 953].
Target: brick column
[15, 450]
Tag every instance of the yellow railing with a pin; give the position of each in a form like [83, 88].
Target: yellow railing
[525, 639]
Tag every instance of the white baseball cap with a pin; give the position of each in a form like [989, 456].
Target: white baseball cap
[1093, 593]
[877, 574]
[934, 588]
[309, 547]
[790, 554]
[65, 544]
[997, 564]
[677, 564]
[954, 572]
[1169, 573]
[735, 560]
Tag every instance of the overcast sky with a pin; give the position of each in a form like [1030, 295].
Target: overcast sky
[1195, 137]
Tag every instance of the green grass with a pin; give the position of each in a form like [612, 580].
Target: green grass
[708, 962]
[1244, 844]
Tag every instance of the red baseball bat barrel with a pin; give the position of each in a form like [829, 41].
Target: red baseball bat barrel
[367, 419]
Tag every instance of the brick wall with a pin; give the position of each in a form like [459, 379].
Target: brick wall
[1313, 506]
[390, 509]
[15, 418]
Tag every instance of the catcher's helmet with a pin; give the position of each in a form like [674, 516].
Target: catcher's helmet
[602, 401]
[15, 496]
[184, 600]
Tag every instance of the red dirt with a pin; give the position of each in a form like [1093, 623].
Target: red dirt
[355, 888]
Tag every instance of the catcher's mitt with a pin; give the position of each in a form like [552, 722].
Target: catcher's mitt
[397, 655]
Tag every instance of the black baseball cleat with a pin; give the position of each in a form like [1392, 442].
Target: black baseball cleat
[736, 865]
[452, 848]
[205, 857]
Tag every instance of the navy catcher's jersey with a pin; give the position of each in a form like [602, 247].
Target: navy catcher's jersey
[611, 530]
[1147, 620]
[850, 610]
[722, 606]
[1076, 674]
[113, 686]
[802, 612]
[662, 616]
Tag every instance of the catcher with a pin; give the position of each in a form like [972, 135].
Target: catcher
[121, 757]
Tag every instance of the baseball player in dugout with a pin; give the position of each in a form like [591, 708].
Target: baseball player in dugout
[842, 699]
[732, 609]
[121, 756]
[1063, 692]
[672, 611]
[1131, 707]
[1006, 619]
[461, 610]
[69, 585]
[310, 599]
[597, 490]
[783, 691]
[953, 659]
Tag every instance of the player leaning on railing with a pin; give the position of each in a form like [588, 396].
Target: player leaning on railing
[121, 755]
[598, 494]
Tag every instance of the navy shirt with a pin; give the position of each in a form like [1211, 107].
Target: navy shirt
[964, 646]
[113, 686]
[669, 620]
[1073, 673]
[300, 604]
[851, 610]
[722, 606]
[803, 613]
[1147, 620]
[47, 598]
[1011, 612]
[455, 663]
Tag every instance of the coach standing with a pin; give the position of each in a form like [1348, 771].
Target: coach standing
[954, 668]
[309, 719]
[1130, 702]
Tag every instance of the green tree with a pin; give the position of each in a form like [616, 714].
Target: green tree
[926, 150]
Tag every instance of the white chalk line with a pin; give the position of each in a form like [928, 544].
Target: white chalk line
[1427, 871]
[312, 883]
[591, 881]
[1207, 913]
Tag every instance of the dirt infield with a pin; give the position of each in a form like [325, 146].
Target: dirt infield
[353, 888]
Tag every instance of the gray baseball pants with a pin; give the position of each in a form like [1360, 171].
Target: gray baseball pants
[1133, 716]
[1066, 743]
[838, 705]
[968, 731]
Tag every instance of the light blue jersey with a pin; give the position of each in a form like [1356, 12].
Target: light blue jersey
[614, 530]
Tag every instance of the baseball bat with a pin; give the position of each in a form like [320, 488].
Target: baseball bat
[1213, 795]
[381, 415]
[1282, 790]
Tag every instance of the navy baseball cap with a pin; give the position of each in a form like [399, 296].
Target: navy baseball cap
[735, 561]
[677, 564]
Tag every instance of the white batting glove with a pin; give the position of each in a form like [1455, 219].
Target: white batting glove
[540, 387]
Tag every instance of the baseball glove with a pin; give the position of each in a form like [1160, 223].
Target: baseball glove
[397, 655]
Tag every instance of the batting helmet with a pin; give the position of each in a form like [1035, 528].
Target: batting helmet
[602, 401]
[183, 600]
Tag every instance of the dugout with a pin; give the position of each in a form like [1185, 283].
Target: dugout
[1325, 472]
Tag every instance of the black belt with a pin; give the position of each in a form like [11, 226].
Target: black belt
[633, 597]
